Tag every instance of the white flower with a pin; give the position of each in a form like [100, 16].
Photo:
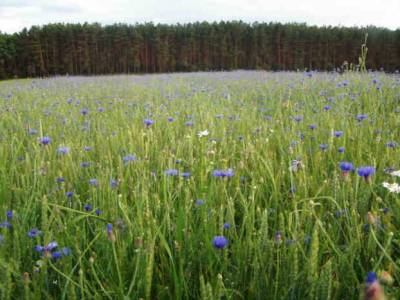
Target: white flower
[203, 133]
[392, 187]
[395, 173]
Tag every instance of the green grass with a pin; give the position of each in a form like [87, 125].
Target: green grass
[163, 240]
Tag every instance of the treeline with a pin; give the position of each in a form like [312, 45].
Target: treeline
[57, 49]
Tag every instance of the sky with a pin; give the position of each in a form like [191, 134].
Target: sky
[17, 14]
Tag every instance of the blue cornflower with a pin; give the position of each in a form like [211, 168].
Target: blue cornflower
[189, 123]
[129, 158]
[298, 118]
[100, 109]
[170, 119]
[87, 148]
[199, 202]
[66, 251]
[371, 277]
[63, 150]
[38, 248]
[5, 224]
[185, 175]
[85, 164]
[56, 255]
[84, 111]
[227, 225]
[220, 242]
[9, 214]
[113, 183]
[366, 171]
[278, 237]
[148, 122]
[391, 144]
[60, 180]
[93, 181]
[69, 194]
[312, 126]
[223, 173]
[45, 140]
[109, 228]
[346, 166]
[88, 207]
[171, 172]
[338, 133]
[327, 107]
[341, 149]
[98, 212]
[361, 117]
[34, 232]
[323, 147]
[51, 246]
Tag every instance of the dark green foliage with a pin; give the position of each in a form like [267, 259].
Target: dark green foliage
[86, 49]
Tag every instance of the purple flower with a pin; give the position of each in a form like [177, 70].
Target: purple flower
[199, 202]
[69, 194]
[56, 255]
[51, 246]
[227, 225]
[361, 117]
[60, 180]
[85, 164]
[371, 278]
[366, 172]
[5, 224]
[148, 122]
[9, 214]
[98, 212]
[391, 144]
[45, 140]
[223, 173]
[327, 107]
[88, 207]
[298, 118]
[93, 181]
[113, 183]
[66, 251]
[185, 175]
[346, 166]
[171, 172]
[220, 242]
[189, 123]
[170, 119]
[129, 158]
[109, 228]
[312, 126]
[323, 147]
[34, 232]
[63, 150]
[38, 248]
[341, 149]
[338, 133]
[84, 111]
[87, 148]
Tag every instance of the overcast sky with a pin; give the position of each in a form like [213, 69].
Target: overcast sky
[17, 14]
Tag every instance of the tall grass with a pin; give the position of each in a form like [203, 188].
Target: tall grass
[294, 232]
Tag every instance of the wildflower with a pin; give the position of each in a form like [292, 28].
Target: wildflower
[87, 148]
[93, 181]
[223, 173]
[346, 167]
[69, 194]
[392, 187]
[66, 251]
[312, 126]
[45, 140]
[185, 175]
[361, 117]
[327, 107]
[85, 164]
[87, 207]
[171, 172]
[5, 224]
[341, 149]
[110, 232]
[199, 202]
[391, 144]
[295, 165]
[129, 158]
[84, 111]
[62, 150]
[227, 225]
[278, 237]
[366, 172]
[34, 232]
[395, 173]
[298, 118]
[56, 255]
[9, 214]
[338, 133]
[60, 180]
[220, 242]
[98, 212]
[189, 123]
[323, 147]
[170, 119]
[113, 183]
[373, 290]
[148, 122]
[203, 133]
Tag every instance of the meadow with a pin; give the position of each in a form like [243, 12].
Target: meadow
[230, 185]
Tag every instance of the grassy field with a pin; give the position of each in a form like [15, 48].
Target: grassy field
[199, 186]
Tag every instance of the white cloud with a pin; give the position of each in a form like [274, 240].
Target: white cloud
[16, 14]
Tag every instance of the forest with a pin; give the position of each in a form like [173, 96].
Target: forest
[89, 49]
